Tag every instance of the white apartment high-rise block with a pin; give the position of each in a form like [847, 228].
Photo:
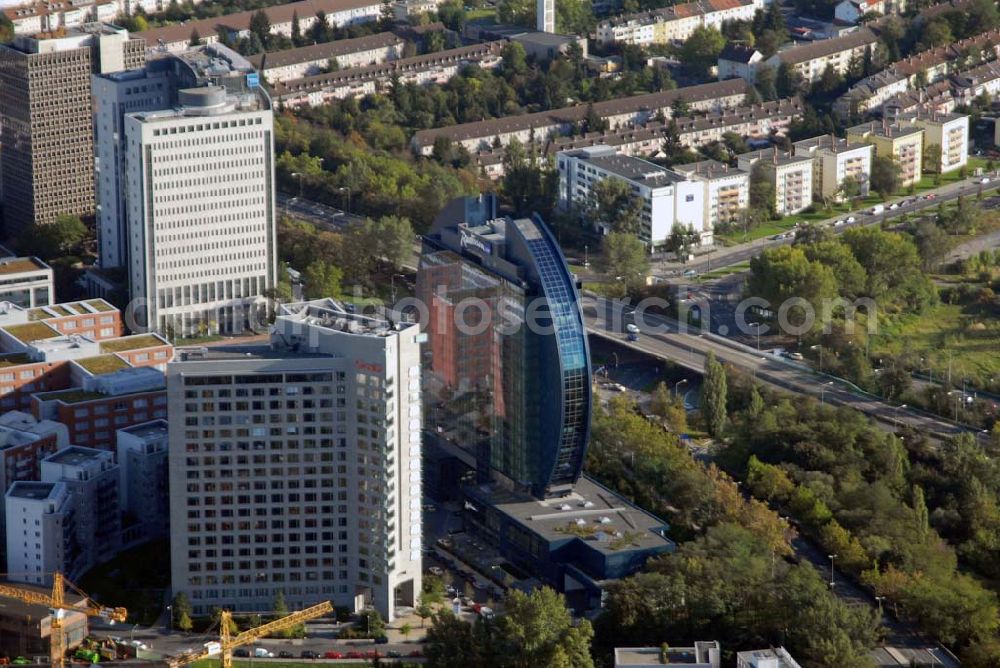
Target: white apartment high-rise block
[200, 199]
[92, 479]
[41, 534]
[143, 486]
[670, 199]
[295, 466]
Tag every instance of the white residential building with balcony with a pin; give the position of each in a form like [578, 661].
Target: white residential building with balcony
[834, 160]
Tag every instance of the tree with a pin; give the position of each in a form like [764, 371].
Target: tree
[935, 33]
[424, 612]
[713, 396]
[406, 630]
[372, 623]
[537, 628]
[515, 59]
[762, 192]
[451, 643]
[184, 622]
[624, 258]
[766, 83]
[195, 38]
[613, 207]
[788, 82]
[592, 121]
[260, 25]
[932, 158]
[322, 279]
[932, 244]
[885, 176]
[785, 275]
[180, 607]
[52, 240]
[296, 30]
[701, 50]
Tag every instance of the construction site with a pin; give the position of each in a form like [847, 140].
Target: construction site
[50, 627]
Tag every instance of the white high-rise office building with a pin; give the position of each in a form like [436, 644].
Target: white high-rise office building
[545, 15]
[200, 205]
[115, 95]
[295, 466]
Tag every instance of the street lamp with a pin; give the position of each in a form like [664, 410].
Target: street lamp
[895, 415]
[392, 282]
[615, 355]
[678, 384]
[344, 189]
[822, 392]
[170, 619]
[586, 255]
[832, 582]
[757, 326]
[879, 600]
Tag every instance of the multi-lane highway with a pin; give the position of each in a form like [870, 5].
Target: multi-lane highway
[914, 203]
[661, 337]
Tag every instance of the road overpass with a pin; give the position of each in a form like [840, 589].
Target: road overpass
[660, 337]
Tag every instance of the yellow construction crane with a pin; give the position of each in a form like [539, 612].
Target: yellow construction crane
[57, 602]
[227, 641]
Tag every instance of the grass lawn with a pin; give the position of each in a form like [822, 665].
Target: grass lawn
[134, 579]
[725, 271]
[971, 341]
[481, 13]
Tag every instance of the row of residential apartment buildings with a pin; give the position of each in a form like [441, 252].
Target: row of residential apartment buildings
[674, 23]
[809, 60]
[623, 112]
[917, 71]
[338, 13]
[757, 123]
[708, 194]
[431, 68]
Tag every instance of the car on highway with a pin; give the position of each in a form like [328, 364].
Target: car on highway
[851, 220]
[838, 223]
[798, 357]
[436, 570]
[690, 273]
[931, 196]
[354, 655]
[373, 654]
[261, 653]
[985, 180]
[894, 206]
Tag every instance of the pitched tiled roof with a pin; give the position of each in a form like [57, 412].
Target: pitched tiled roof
[827, 47]
[340, 47]
[635, 103]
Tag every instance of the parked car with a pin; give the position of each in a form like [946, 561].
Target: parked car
[354, 655]
[851, 219]
[690, 273]
[985, 180]
[241, 652]
[415, 654]
[285, 654]
[261, 653]
[796, 356]
[308, 654]
[393, 654]
[333, 655]
[373, 654]
[893, 206]
[436, 570]
[382, 640]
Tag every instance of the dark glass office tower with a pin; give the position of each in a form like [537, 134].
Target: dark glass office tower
[508, 368]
